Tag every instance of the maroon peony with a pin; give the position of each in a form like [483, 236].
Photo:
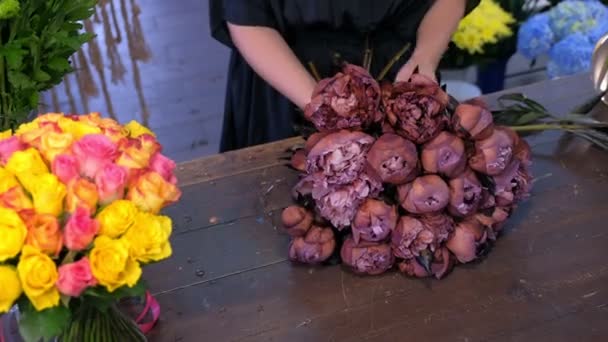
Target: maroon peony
[367, 257]
[340, 156]
[493, 154]
[313, 139]
[394, 159]
[472, 122]
[512, 185]
[465, 240]
[374, 221]
[465, 194]
[493, 220]
[296, 220]
[412, 235]
[315, 247]
[439, 266]
[298, 160]
[521, 149]
[425, 194]
[339, 203]
[350, 99]
[445, 155]
[416, 109]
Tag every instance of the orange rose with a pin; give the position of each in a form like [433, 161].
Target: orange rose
[53, 144]
[136, 152]
[44, 233]
[16, 199]
[83, 193]
[35, 136]
[151, 192]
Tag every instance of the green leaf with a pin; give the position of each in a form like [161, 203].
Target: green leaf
[14, 56]
[102, 299]
[20, 80]
[46, 324]
[529, 117]
[59, 64]
[41, 76]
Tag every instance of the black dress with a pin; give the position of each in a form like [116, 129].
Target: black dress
[325, 32]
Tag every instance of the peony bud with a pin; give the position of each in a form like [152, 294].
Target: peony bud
[521, 149]
[440, 264]
[315, 247]
[298, 160]
[367, 257]
[512, 185]
[425, 194]
[493, 154]
[296, 220]
[374, 221]
[472, 122]
[493, 220]
[465, 194]
[465, 240]
[313, 139]
[444, 155]
[394, 159]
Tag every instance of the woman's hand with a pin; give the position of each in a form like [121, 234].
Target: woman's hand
[425, 65]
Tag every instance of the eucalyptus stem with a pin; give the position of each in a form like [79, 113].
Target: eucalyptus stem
[546, 127]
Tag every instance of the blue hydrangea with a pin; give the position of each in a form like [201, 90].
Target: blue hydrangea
[598, 31]
[535, 37]
[570, 17]
[572, 54]
[553, 70]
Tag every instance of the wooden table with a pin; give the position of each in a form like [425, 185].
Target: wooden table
[546, 279]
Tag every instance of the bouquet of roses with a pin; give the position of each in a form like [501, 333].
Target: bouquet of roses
[397, 174]
[79, 217]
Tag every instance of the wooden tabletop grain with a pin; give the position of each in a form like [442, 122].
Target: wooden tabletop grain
[545, 280]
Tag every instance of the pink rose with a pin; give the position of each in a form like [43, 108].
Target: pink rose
[65, 167]
[80, 230]
[8, 146]
[93, 151]
[76, 277]
[164, 167]
[111, 181]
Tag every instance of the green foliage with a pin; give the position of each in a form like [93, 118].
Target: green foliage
[42, 325]
[35, 48]
[102, 299]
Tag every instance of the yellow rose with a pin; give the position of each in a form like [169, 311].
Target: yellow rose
[149, 237]
[49, 117]
[81, 193]
[6, 134]
[7, 180]
[136, 129]
[34, 137]
[38, 275]
[111, 264]
[78, 128]
[53, 144]
[25, 164]
[151, 192]
[116, 218]
[26, 127]
[11, 287]
[48, 193]
[136, 152]
[12, 234]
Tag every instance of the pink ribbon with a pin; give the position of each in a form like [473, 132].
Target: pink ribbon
[151, 307]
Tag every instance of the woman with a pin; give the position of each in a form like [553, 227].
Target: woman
[274, 41]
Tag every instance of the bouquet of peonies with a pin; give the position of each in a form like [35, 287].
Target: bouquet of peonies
[397, 174]
[79, 216]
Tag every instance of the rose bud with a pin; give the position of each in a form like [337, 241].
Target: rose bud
[512, 185]
[445, 155]
[374, 221]
[339, 203]
[367, 257]
[340, 156]
[412, 236]
[298, 160]
[465, 194]
[465, 240]
[394, 159]
[315, 247]
[350, 99]
[425, 194]
[493, 154]
[415, 109]
[80, 230]
[472, 122]
[312, 140]
[439, 264]
[296, 220]
[75, 277]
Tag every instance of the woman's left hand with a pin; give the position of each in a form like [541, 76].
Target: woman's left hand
[425, 67]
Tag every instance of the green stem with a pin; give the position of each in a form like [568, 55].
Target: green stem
[547, 127]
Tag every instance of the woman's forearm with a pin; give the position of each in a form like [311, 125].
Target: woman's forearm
[437, 28]
[271, 58]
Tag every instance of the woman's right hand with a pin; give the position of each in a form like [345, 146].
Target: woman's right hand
[272, 59]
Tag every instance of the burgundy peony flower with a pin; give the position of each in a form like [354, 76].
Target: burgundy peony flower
[494, 220]
[374, 221]
[465, 194]
[412, 235]
[367, 257]
[339, 203]
[298, 160]
[416, 109]
[350, 99]
[521, 149]
[425, 194]
[440, 265]
[340, 156]
[313, 139]
[465, 240]
[296, 220]
[512, 185]
[472, 122]
[394, 159]
[493, 154]
[445, 155]
[315, 247]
